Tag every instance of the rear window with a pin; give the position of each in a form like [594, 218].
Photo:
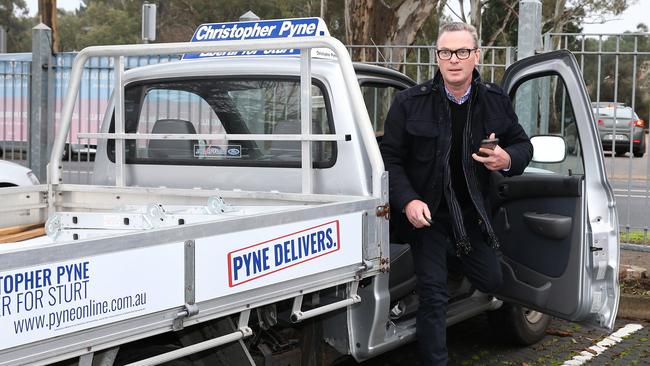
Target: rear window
[609, 112]
[252, 105]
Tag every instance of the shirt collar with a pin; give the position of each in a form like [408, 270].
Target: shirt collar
[462, 99]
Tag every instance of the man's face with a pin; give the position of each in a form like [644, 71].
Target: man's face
[454, 71]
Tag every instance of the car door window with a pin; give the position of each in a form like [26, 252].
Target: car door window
[544, 108]
[378, 98]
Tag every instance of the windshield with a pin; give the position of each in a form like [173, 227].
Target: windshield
[609, 112]
[251, 105]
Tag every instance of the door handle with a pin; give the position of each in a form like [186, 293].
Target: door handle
[548, 225]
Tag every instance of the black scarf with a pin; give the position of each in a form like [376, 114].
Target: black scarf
[463, 244]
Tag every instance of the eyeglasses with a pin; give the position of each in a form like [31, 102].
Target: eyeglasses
[461, 53]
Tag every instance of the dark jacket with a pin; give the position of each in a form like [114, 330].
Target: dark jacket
[417, 142]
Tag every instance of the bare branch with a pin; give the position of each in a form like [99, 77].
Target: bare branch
[462, 10]
[453, 12]
[505, 23]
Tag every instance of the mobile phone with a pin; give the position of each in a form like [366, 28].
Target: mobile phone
[488, 144]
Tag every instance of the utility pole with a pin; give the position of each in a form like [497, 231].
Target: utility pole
[528, 42]
[47, 16]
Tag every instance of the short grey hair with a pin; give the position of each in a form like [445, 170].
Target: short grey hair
[457, 27]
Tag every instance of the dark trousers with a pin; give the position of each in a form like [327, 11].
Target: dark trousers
[431, 250]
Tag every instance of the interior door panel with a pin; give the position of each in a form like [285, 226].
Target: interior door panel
[557, 223]
[539, 221]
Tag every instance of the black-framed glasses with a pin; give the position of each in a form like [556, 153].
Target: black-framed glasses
[461, 53]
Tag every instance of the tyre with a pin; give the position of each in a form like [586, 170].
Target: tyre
[519, 324]
[639, 154]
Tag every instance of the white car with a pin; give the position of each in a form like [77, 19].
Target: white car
[12, 174]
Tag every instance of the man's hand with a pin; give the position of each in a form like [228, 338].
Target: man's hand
[497, 159]
[416, 211]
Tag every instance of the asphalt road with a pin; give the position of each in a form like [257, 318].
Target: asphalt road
[629, 179]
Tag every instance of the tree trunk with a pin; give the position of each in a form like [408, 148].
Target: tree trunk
[560, 21]
[558, 25]
[323, 8]
[373, 22]
[475, 17]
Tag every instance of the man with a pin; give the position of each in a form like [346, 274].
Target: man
[438, 182]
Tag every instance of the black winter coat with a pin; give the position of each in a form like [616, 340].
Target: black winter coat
[417, 142]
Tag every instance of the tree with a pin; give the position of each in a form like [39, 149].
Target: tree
[378, 23]
[100, 22]
[14, 17]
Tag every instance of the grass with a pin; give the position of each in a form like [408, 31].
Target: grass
[635, 237]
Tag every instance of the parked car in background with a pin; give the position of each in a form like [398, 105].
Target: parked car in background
[12, 174]
[620, 128]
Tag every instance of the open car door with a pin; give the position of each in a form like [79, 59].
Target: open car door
[557, 222]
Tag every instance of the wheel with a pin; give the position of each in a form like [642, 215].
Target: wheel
[619, 153]
[519, 324]
[639, 154]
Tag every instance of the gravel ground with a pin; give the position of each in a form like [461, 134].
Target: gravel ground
[641, 259]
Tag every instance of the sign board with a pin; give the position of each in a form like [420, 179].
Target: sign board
[50, 300]
[261, 29]
[251, 259]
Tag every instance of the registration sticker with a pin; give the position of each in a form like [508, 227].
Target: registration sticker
[217, 151]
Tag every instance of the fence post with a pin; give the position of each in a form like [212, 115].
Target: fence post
[39, 116]
[528, 41]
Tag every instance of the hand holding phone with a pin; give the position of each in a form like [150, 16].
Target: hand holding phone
[488, 144]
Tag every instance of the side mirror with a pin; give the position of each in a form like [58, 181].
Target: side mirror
[548, 149]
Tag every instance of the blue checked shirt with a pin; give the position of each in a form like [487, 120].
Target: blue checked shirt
[462, 99]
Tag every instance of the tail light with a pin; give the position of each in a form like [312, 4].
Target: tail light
[600, 122]
[639, 123]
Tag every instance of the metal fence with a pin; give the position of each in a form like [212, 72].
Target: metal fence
[419, 62]
[616, 68]
[15, 72]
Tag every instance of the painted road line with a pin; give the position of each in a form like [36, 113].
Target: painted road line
[630, 196]
[600, 347]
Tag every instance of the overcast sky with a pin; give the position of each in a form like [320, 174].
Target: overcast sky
[637, 13]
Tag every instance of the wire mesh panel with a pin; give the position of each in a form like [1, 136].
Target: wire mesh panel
[616, 70]
[15, 74]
